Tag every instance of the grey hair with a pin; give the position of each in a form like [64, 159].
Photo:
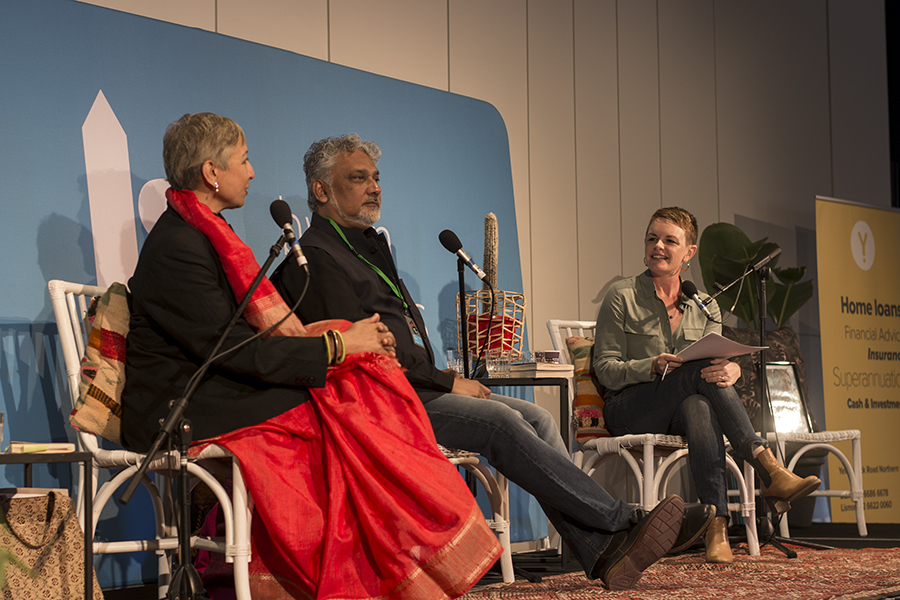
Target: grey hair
[320, 159]
[194, 139]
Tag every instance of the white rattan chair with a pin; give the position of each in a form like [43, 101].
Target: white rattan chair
[825, 440]
[784, 349]
[652, 458]
[497, 488]
[70, 303]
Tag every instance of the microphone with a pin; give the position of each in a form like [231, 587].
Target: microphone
[763, 262]
[281, 212]
[689, 289]
[452, 244]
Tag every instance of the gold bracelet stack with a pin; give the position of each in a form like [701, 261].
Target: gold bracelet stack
[329, 351]
[335, 350]
[340, 338]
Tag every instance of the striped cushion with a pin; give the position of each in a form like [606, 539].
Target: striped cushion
[99, 406]
[587, 409]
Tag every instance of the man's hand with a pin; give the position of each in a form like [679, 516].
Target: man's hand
[369, 335]
[470, 387]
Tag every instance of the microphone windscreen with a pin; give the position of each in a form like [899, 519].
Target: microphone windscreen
[688, 288]
[281, 212]
[450, 241]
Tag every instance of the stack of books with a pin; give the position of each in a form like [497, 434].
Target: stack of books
[541, 369]
[40, 447]
[23, 492]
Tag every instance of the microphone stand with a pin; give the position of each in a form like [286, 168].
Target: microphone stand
[186, 583]
[463, 325]
[762, 276]
[763, 273]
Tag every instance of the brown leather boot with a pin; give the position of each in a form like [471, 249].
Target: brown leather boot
[718, 550]
[780, 486]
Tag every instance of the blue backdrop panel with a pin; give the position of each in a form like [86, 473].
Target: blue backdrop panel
[445, 165]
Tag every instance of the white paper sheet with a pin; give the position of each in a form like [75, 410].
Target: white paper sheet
[713, 345]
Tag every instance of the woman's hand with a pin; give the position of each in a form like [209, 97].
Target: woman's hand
[722, 372]
[662, 361]
[369, 335]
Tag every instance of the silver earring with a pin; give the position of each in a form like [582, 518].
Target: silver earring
[217, 187]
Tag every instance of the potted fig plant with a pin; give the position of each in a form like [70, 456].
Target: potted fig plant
[726, 253]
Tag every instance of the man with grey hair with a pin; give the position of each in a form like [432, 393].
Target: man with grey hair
[352, 275]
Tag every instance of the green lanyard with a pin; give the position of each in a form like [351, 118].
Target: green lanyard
[380, 273]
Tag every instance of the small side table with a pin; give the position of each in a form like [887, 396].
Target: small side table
[87, 492]
[540, 561]
[561, 382]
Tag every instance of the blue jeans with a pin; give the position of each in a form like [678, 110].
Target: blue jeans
[684, 404]
[522, 441]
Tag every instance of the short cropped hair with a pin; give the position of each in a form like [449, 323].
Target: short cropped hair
[679, 217]
[320, 159]
[194, 139]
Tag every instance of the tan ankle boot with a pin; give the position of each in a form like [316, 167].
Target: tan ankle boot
[780, 486]
[718, 550]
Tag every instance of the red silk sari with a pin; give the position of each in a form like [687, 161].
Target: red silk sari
[353, 499]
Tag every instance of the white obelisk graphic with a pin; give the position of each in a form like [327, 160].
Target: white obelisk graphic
[109, 194]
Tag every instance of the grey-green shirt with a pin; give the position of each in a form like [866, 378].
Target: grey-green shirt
[633, 329]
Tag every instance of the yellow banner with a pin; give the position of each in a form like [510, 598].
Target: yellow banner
[858, 249]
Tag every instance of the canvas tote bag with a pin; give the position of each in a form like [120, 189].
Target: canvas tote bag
[42, 549]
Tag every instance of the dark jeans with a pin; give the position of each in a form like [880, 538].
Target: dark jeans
[684, 404]
[522, 441]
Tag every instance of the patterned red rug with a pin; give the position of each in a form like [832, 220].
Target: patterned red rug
[840, 574]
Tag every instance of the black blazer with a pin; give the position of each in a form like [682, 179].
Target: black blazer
[341, 286]
[180, 304]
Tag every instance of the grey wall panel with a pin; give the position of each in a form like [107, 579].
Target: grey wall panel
[859, 102]
[598, 216]
[639, 144]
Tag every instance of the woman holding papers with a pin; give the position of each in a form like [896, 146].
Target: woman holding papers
[644, 322]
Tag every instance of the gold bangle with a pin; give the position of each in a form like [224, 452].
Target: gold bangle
[336, 353]
[328, 353]
[343, 353]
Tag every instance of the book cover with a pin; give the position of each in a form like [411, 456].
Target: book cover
[40, 447]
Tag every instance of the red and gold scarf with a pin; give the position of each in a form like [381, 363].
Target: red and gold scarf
[266, 306]
[354, 501]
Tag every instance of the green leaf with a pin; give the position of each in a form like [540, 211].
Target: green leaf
[729, 268]
[789, 275]
[718, 240]
[726, 253]
[790, 296]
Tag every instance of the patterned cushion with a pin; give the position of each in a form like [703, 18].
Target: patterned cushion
[587, 409]
[99, 407]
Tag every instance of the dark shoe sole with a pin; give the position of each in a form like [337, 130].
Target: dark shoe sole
[683, 543]
[649, 541]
